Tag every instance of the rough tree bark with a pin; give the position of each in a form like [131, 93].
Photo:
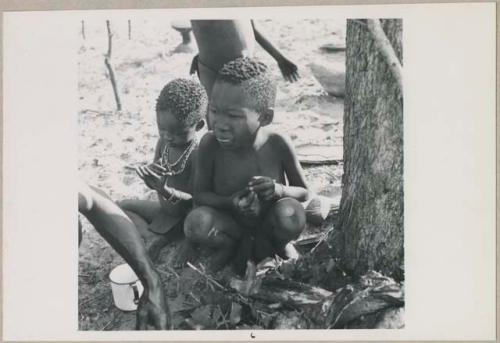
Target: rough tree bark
[371, 209]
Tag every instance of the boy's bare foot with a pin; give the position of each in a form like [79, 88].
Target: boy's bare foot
[288, 252]
[185, 252]
[156, 242]
[219, 259]
[244, 253]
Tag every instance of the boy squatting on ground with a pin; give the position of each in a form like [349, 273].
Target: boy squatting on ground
[244, 200]
[180, 110]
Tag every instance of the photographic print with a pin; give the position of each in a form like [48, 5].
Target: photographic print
[281, 173]
[240, 174]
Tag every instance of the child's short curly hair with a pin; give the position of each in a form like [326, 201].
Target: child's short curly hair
[186, 99]
[255, 78]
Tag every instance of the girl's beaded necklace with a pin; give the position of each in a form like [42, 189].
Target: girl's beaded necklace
[182, 160]
[171, 167]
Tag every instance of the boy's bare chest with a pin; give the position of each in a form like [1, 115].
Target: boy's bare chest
[233, 171]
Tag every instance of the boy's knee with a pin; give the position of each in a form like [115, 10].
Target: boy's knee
[198, 224]
[289, 219]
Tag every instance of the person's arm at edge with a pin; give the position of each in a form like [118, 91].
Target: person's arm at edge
[288, 69]
[266, 44]
[119, 231]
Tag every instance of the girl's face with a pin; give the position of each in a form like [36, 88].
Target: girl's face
[174, 132]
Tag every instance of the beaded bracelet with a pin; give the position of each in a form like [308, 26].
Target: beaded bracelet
[279, 194]
[174, 199]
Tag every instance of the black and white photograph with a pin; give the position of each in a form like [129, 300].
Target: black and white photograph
[240, 174]
[248, 171]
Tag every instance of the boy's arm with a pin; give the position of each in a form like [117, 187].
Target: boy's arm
[119, 231]
[297, 186]
[203, 180]
[269, 189]
[287, 67]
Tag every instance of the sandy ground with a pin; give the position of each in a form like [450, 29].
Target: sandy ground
[110, 143]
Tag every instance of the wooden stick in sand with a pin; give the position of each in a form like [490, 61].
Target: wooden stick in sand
[107, 62]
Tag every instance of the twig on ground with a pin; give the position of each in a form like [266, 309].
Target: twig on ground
[170, 269]
[195, 298]
[115, 316]
[236, 296]
[326, 161]
[92, 299]
[105, 326]
[322, 239]
[207, 277]
[224, 320]
[88, 110]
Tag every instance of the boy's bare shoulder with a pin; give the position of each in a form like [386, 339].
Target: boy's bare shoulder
[278, 140]
[208, 142]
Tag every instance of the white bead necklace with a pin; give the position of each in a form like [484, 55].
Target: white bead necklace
[182, 160]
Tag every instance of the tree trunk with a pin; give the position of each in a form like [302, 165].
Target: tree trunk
[371, 208]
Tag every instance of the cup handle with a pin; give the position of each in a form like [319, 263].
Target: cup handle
[136, 292]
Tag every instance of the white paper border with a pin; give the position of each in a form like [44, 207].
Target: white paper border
[449, 117]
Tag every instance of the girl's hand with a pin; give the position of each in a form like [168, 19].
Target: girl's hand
[152, 179]
[157, 169]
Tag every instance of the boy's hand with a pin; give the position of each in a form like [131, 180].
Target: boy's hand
[244, 202]
[288, 69]
[238, 197]
[265, 187]
[152, 175]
